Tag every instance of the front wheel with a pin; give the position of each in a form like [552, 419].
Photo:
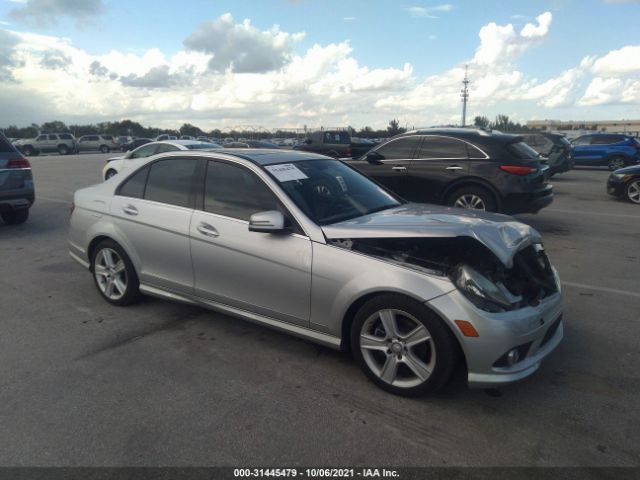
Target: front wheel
[16, 217]
[616, 163]
[473, 198]
[28, 150]
[110, 173]
[63, 150]
[114, 274]
[104, 149]
[402, 346]
[632, 192]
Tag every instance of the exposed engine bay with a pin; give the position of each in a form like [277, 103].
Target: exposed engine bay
[470, 265]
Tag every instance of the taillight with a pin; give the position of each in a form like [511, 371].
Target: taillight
[19, 162]
[518, 169]
[349, 151]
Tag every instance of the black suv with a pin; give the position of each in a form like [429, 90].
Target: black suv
[16, 184]
[463, 168]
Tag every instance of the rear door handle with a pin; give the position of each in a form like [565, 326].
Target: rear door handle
[454, 168]
[130, 210]
[399, 168]
[208, 230]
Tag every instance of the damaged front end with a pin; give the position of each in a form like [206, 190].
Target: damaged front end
[488, 282]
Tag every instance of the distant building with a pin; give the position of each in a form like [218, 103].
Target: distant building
[612, 126]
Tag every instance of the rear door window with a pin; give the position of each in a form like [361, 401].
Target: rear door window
[134, 186]
[585, 140]
[440, 148]
[337, 137]
[166, 148]
[401, 148]
[170, 181]
[605, 139]
[523, 151]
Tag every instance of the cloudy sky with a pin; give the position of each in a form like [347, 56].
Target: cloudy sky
[289, 63]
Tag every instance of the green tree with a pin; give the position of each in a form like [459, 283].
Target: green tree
[481, 122]
[394, 128]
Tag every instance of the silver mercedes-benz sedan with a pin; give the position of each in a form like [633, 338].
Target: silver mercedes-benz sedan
[306, 244]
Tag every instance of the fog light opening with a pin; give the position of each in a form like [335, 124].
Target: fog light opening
[513, 357]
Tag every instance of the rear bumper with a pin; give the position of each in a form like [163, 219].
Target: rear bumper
[527, 202]
[20, 202]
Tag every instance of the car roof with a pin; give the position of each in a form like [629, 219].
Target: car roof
[269, 156]
[465, 133]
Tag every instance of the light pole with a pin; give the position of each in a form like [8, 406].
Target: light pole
[464, 95]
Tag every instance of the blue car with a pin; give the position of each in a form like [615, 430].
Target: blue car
[613, 150]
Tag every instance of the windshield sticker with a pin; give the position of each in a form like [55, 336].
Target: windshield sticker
[286, 172]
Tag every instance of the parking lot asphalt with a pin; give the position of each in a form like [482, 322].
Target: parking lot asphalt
[160, 383]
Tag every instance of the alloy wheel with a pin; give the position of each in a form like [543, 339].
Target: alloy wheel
[616, 162]
[397, 348]
[110, 272]
[633, 191]
[471, 201]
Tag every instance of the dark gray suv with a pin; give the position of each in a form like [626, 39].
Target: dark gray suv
[16, 184]
[461, 167]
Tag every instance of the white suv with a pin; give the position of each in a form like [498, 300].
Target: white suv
[102, 143]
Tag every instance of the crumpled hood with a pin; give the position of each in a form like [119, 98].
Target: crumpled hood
[501, 234]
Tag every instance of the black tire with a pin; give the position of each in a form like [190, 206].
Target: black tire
[28, 150]
[16, 217]
[444, 343]
[110, 173]
[104, 149]
[472, 191]
[616, 162]
[63, 150]
[333, 154]
[132, 290]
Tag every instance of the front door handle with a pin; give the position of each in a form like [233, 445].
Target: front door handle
[130, 210]
[399, 168]
[208, 230]
[454, 168]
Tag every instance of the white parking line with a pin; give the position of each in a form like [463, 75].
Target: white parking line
[620, 215]
[601, 289]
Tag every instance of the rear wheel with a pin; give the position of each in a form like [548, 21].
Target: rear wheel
[402, 346]
[632, 191]
[104, 149]
[616, 163]
[473, 198]
[114, 274]
[16, 217]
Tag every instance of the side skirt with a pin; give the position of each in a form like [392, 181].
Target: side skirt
[306, 333]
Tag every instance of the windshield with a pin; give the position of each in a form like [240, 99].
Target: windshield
[328, 191]
[202, 146]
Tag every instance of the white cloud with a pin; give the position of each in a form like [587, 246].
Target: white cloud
[428, 12]
[501, 43]
[242, 47]
[618, 62]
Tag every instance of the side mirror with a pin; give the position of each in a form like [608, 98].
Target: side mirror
[374, 157]
[308, 141]
[271, 221]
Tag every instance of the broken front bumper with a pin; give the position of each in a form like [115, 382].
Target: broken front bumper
[534, 331]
